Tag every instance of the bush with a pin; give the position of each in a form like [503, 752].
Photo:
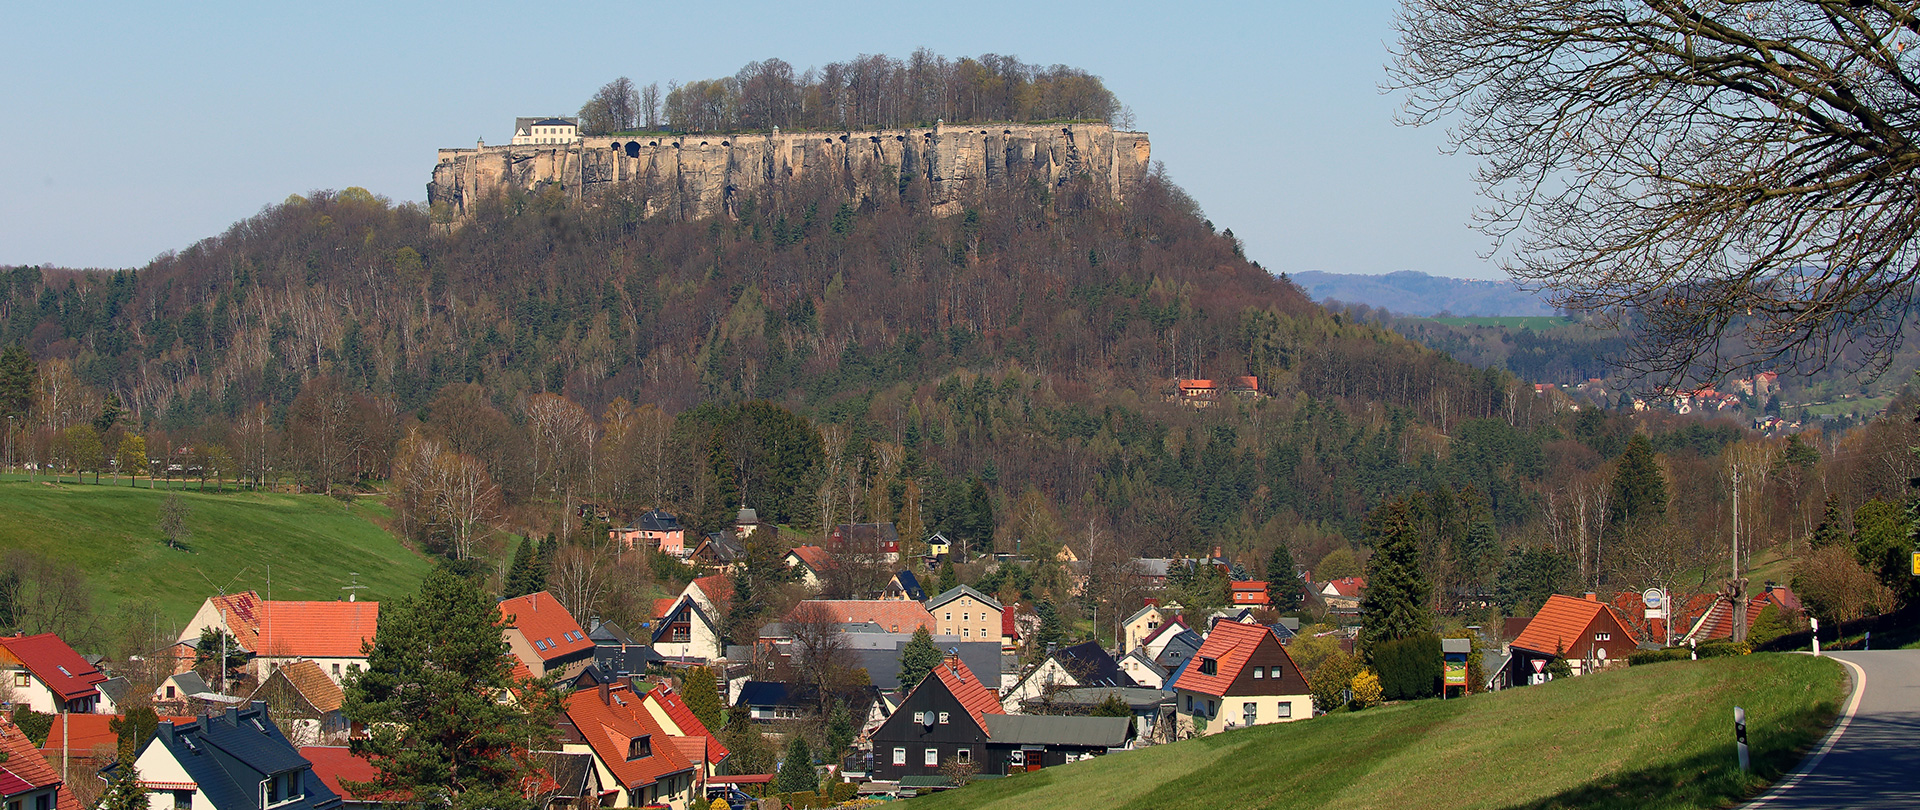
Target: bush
[1366, 689]
[1330, 681]
[1640, 657]
[844, 791]
[36, 725]
[1409, 668]
[1722, 648]
[1769, 625]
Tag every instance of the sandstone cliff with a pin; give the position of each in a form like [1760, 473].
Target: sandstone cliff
[700, 175]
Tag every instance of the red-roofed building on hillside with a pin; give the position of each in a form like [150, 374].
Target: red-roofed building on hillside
[544, 636]
[1241, 676]
[1717, 620]
[689, 629]
[47, 675]
[633, 754]
[1250, 592]
[281, 632]
[810, 563]
[891, 615]
[943, 718]
[1587, 632]
[26, 778]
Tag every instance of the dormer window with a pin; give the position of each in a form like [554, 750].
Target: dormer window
[1209, 666]
[640, 747]
[281, 788]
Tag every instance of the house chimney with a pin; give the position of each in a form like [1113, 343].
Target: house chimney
[606, 695]
[1591, 596]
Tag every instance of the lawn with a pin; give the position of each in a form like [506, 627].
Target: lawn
[311, 546]
[1651, 736]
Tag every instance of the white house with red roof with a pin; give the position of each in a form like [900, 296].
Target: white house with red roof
[281, 632]
[640, 761]
[1241, 676]
[48, 676]
[26, 778]
[810, 564]
[544, 636]
[672, 713]
[690, 628]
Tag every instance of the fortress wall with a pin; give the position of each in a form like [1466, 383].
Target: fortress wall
[702, 175]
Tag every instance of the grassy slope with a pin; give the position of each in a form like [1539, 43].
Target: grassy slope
[312, 543]
[1654, 736]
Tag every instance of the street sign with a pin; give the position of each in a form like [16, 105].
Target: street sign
[1653, 598]
[1539, 665]
[1916, 563]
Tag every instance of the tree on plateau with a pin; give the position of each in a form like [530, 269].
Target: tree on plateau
[1733, 178]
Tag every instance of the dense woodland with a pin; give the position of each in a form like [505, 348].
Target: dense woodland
[868, 92]
[1004, 375]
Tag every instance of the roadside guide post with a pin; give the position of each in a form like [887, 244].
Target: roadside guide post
[1740, 737]
[1816, 635]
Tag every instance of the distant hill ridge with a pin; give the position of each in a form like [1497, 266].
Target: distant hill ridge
[1410, 292]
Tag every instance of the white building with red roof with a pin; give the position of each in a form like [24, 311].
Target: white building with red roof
[26, 778]
[281, 632]
[635, 756]
[1240, 677]
[48, 676]
[544, 636]
[1586, 632]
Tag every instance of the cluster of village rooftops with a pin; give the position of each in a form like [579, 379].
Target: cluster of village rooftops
[628, 738]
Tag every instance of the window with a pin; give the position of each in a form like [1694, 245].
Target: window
[966, 632]
[919, 718]
[965, 755]
[182, 800]
[932, 758]
[21, 678]
[169, 691]
[966, 617]
[336, 669]
[640, 747]
[13, 805]
[1259, 673]
[1250, 712]
[899, 756]
[1209, 666]
[948, 615]
[943, 718]
[43, 801]
[1284, 710]
[1189, 704]
[1602, 636]
[280, 787]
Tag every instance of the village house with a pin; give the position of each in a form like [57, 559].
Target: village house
[1066, 668]
[305, 703]
[809, 564]
[1585, 631]
[1716, 621]
[237, 760]
[27, 780]
[688, 627]
[654, 530]
[278, 633]
[1142, 670]
[1240, 677]
[1252, 592]
[967, 613]
[1172, 645]
[544, 636]
[47, 676]
[866, 539]
[633, 754]
[886, 615]
[951, 717]
[904, 585]
[1143, 623]
[1343, 595]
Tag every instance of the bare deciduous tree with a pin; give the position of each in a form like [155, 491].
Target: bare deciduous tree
[1737, 178]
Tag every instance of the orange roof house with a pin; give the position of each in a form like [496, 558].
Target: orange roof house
[1587, 632]
[544, 636]
[279, 632]
[1250, 592]
[811, 562]
[892, 615]
[26, 779]
[673, 714]
[48, 675]
[630, 748]
[1240, 676]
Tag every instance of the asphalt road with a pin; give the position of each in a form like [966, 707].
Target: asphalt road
[1875, 757]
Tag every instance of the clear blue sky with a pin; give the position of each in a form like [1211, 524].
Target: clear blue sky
[137, 128]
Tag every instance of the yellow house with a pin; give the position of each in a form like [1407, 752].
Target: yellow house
[967, 613]
[1140, 626]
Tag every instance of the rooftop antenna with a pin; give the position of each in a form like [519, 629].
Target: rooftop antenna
[353, 589]
[226, 631]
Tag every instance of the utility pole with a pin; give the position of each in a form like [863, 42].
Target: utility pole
[1737, 586]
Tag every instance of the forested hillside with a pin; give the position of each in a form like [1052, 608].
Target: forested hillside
[1004, 375]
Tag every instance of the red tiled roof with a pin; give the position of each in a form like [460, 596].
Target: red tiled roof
[1562, 622]
[661, 607]
[88, 732]
[813, 557]
[335, 765]
[55, 664]
[1195, 384]
[1349, 586]
[24, 769]
[313, 629]
[310, 681]
[719, 590]
[242, 613]
[548, 627]
[973, 695]
[1009, 622]
[893, 615]
[689, 723]
[609, 727]
[1229, 645]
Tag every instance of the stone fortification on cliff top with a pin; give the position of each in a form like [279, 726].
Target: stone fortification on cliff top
[701, 175]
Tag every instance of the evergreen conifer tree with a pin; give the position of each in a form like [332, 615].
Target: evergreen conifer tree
[918, 658]
[1832, 530]
[701, 691]
[1398, 594]
[520, 575]
[1283, 582]
[1639, 489]
[430, 697]
[796, 772]
[839, 730]
[124, 791]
